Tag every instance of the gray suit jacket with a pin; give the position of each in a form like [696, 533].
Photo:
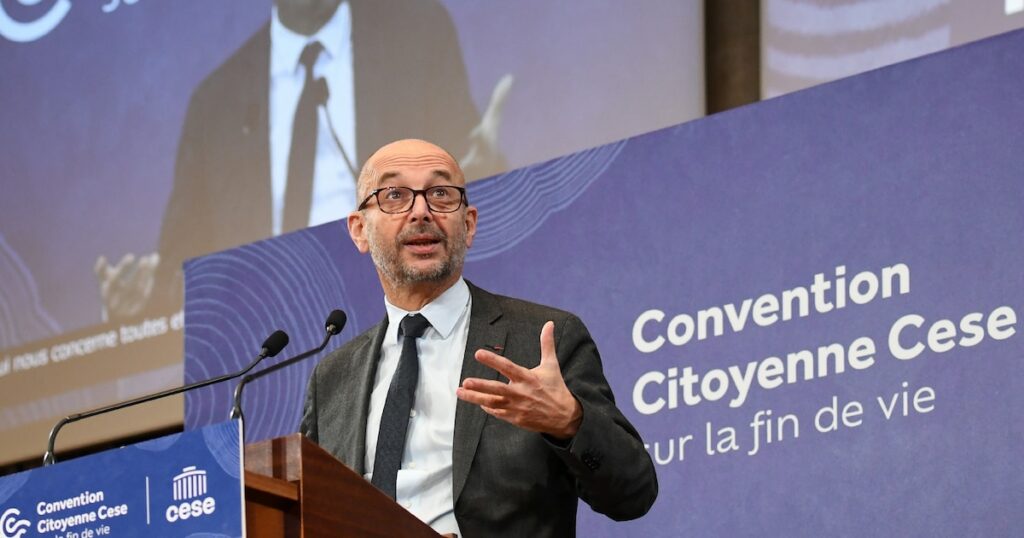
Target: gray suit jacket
[507, 481]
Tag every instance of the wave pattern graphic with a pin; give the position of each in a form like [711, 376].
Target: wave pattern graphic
[223, 444]
[514, 205]
[22, 316]
[159, 444]
[234, 300]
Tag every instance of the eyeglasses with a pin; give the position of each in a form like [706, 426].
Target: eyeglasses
[440, 199]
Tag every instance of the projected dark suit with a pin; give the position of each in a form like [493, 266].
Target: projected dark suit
[507, 481]
[410, 81]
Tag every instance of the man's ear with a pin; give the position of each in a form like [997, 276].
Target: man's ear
[470, 225]
[357, 230]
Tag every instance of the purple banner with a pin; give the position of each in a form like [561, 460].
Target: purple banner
[809, 307]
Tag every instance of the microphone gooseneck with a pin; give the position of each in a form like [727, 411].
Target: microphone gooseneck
[335, 323]
[270, 348]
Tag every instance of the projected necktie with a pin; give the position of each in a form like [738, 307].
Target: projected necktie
[298, 193]
[394, 422]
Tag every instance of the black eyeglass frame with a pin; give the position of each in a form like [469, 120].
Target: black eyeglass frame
[463, 201]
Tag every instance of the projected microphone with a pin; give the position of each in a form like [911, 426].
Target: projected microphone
[271, 347]
[334, 324]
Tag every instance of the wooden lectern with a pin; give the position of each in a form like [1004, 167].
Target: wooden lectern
[296, 489]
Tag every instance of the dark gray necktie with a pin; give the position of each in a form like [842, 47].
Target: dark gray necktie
[394, 421]
[298, 194]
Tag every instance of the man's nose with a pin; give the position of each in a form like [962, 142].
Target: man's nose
[420, 209]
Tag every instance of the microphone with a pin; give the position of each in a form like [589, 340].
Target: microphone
[271, 347]
[335, 322]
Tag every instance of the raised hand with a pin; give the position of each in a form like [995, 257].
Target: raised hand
[484, 159]
[125, 287]
[534, 399]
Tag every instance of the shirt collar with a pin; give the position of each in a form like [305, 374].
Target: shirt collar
[286, 46]
[443, 313]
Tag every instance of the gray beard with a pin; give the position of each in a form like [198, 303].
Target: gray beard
[397, 272]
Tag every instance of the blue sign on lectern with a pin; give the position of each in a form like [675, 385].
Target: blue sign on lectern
[180, 485]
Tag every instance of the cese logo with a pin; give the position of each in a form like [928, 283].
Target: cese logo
[188, 510]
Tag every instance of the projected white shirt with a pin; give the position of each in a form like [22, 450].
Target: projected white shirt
[334, 186]
[424, 485]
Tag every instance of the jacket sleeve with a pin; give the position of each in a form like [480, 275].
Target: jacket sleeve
[308, 426]
[614, 473]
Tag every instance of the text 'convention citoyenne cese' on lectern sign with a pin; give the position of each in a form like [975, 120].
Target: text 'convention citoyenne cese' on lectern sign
[180, 485]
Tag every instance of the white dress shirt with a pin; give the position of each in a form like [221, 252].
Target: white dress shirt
[334, 187]
[424, 485]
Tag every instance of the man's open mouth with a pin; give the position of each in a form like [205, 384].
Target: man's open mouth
[422, 244]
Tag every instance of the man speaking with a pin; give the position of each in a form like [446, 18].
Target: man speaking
[482, 415]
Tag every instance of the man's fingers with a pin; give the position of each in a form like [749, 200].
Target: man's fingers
[504, 366]
[126, 261]
[121, 271]
[547, 344]
[487, 386]
[115, 273]
[100, 267]
[149, 262]
[480, 398]
[498, 97]
[497, 412]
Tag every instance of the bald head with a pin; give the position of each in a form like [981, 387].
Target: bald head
[419, 252]
[389, 161]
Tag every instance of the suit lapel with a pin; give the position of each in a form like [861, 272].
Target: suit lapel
[485, 331]
[355, 393]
